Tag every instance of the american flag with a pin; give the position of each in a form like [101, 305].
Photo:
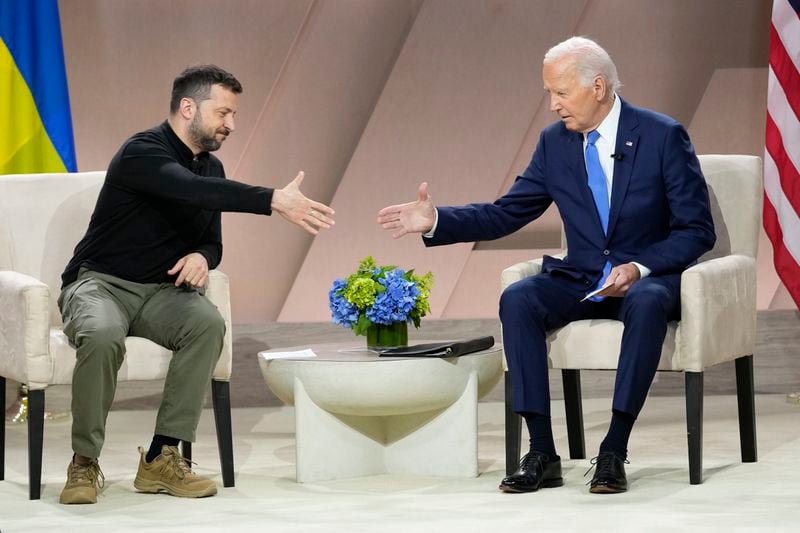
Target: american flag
[782, 153]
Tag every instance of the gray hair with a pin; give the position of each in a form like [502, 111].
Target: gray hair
[591, 60]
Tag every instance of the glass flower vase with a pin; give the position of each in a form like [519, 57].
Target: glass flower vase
[387, 336]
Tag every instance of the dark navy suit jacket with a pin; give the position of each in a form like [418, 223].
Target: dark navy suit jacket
[660, 215]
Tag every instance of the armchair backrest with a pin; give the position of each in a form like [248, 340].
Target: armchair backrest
[42, 218]
[736, 196]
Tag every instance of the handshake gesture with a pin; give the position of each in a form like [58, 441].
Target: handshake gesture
[411, 217]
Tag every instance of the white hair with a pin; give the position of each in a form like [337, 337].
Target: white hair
[591, 60]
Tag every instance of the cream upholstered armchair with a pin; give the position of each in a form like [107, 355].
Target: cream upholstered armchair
[42, 217]
[718, 319]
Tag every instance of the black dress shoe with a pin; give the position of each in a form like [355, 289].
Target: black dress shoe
[609, 474]
[536, 470]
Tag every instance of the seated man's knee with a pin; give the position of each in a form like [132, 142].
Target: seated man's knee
[647, 297]
[207, 320]
[511, 298]
[519, 297]
[102, 341]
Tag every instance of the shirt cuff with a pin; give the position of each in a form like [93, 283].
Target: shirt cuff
[429, 235]
[643, 270]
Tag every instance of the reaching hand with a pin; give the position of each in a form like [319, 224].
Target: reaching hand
[193, 270]
[292, 205]
[620, 280]
[413, 217]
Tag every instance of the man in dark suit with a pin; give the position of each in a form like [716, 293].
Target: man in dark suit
[635, 210]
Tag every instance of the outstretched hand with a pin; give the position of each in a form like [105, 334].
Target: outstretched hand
[413, 217]
[292, 205]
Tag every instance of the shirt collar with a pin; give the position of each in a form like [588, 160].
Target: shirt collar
[608, 128]
[184, 152]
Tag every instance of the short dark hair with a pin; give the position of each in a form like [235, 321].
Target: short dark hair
[195, 82]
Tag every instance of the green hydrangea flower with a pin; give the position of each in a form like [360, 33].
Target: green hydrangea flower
[361, 292]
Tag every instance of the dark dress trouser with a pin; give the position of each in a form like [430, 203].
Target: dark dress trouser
[533, 306]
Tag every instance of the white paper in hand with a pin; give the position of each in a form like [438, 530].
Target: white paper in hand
[297, 354]
[596, 291]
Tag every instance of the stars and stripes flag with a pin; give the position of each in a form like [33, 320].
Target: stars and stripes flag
[782, 153]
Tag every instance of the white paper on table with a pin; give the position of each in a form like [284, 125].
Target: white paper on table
[597, 291]
[308, 353]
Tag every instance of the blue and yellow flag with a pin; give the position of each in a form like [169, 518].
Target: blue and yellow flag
[35, 121]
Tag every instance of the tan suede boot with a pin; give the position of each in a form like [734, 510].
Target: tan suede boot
[170, 472]
[82, 483]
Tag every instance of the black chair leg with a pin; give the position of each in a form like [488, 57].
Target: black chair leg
[186, 450]
[745, 393]
[513, 429]
[3, 430]
[694, 425]
[221, 399]
[35, 438]
[574, 409]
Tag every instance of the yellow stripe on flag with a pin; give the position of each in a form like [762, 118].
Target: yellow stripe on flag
[25, 146]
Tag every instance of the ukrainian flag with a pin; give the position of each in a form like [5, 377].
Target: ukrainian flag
[35, 121]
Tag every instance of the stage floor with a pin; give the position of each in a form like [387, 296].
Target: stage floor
[734, 496]
[755, 496]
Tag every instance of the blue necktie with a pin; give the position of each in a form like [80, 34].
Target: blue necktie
[597, 183]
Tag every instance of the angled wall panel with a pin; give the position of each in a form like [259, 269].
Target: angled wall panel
[453, 112]
[311, 120]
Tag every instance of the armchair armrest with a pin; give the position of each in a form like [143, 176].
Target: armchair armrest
[218, 291]
[25, 330]
[523, 270]
[718, 311]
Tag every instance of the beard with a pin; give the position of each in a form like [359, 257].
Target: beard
[202, 138]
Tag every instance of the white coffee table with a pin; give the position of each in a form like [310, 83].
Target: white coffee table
[357, 414]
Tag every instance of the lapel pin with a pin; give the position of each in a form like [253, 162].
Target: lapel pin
[628, 143]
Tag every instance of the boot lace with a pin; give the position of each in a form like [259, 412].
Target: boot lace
[90, 473]
[176, 465]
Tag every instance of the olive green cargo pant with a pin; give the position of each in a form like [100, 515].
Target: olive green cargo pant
[99, 311]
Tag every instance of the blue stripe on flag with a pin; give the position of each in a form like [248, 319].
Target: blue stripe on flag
[32, 33]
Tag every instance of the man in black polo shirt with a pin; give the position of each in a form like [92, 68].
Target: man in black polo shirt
[141, 270]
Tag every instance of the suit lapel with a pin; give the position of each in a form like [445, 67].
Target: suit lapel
[577, 169]
[627, 144]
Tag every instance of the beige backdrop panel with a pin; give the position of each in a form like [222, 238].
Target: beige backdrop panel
[370, 97]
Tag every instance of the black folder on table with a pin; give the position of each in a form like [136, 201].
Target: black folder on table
[440, 349]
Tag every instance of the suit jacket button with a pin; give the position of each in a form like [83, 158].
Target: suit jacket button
[606, 252]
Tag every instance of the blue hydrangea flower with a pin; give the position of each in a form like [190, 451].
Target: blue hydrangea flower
[342, 311]
[396, 302]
